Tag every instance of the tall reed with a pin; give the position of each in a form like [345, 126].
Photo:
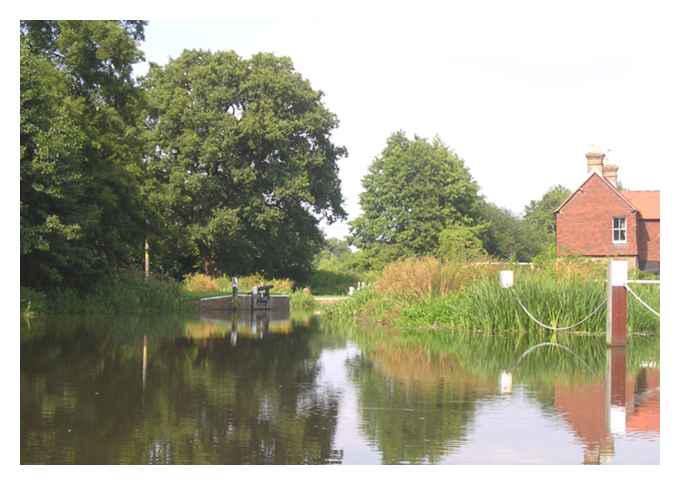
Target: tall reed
[424, 293]
[122, 293]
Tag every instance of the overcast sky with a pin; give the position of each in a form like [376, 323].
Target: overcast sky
[519, 90]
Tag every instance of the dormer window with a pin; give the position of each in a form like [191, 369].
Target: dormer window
[619, 230]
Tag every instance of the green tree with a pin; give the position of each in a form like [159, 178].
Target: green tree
[82, 214]
[541, 212]
[336, 247]
[461, 243]
[242, 165]
[507, 236]
[413, 191]
[540, 217]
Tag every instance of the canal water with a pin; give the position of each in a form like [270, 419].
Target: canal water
[268, 390]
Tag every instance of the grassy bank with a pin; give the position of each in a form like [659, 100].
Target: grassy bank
[422, 294]
[132, 293]
[123, 293]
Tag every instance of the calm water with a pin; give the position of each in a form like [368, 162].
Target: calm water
[292, 391]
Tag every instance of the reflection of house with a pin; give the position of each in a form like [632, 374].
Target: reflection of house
[598, 220]
[585, 407]
[643, 415]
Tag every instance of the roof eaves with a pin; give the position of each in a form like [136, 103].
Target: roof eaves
[609, 184]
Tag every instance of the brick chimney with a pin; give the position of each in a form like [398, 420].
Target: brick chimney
[595, 159]
[611, 173]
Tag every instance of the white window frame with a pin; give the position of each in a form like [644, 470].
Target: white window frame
[622, 228]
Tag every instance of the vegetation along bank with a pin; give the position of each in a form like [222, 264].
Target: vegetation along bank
[431, 294]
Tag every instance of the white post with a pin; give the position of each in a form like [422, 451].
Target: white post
[506, 382]
[507, 279]
[615, 390]
[617, 302]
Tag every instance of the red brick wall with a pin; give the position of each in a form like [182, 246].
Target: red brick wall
[649, 240]
[584, 224]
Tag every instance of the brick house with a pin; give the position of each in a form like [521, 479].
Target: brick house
[600, 221]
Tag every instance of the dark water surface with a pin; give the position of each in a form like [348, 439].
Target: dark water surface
[293, 391]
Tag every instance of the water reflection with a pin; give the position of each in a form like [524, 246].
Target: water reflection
[277, 388]
[200, 400]
[414, 408]
[625, 396]
[419, 406]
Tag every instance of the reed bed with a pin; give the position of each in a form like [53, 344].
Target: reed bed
[302, 300]
[427, 277]
[424, 293]
[123, 293]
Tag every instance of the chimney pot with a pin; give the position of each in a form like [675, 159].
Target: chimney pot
[595, 159]
[611, 174]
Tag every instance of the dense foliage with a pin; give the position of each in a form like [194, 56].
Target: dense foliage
[425, 294]
[539, 214]
[224, 164]
[241, 165]
[82, 214]
[413, 191]
[507, 236]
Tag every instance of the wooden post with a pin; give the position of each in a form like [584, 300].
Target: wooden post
[144, 358]
[616, 390]
[146, 259]
[617, 303]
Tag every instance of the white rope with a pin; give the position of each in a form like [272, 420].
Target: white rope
[642, 302]
[556, 329]
[551, 344]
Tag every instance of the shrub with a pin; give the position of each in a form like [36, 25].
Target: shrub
[200, 283]
[32, 302]
[246, 283]
[302, 300]
[124, 292]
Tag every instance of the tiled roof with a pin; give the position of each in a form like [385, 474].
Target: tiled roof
[645, 201]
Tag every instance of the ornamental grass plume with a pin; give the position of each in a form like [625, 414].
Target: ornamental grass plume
[428, 277]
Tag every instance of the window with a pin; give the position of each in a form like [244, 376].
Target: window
[619, 229]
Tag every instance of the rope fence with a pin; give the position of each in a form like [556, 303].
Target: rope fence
[642, 302]
[617, 289]
[556, 328]
[550, 344]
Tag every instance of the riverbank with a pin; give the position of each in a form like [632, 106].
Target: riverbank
[122, 293]
[426, 294]
[132, 293]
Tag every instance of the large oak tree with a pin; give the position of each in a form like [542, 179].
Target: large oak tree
[241, 164]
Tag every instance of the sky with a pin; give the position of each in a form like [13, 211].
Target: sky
[519, 90]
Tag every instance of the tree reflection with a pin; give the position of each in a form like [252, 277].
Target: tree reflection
[88, 399]
[414, 407]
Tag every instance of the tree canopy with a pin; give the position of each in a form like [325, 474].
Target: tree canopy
[223, 164]
[413, 190]
[241, 164]
[81, 207]
[507, 236]
[540, 213]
